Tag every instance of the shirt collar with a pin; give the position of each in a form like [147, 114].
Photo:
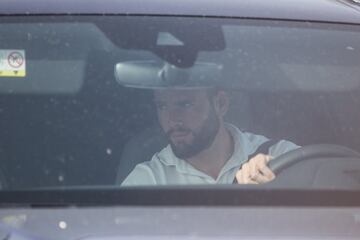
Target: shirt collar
[167, 157]
[241, 147]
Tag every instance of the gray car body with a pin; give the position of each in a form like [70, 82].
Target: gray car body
[340, 11]
[26, 221]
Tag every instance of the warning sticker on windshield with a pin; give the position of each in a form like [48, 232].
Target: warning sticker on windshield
[12, 63]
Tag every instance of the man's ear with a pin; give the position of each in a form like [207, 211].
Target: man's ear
[221, 103]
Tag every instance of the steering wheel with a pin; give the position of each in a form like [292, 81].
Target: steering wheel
[290, 158]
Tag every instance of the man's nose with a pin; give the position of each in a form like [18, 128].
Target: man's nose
[176, 117]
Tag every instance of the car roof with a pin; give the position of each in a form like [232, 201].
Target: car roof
[341, 11]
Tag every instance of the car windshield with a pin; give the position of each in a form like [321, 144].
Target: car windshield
[111, 101]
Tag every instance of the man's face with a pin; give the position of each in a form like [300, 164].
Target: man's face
[188, 119]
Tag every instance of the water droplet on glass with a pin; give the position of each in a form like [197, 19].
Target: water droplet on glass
[62, 225]
[108, 151]
[61, 178]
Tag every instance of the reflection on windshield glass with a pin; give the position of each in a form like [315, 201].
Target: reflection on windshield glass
[182, 101]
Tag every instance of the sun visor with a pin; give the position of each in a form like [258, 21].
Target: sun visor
[44, 77]
[279, 77]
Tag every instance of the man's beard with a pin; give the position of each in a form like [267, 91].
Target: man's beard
[202, 139]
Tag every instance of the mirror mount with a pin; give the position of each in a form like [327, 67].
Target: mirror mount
[181, 57]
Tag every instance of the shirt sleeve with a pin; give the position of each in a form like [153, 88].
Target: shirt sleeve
[142, 175]
[282, 147]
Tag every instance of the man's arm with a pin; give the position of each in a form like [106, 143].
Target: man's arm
[256, 171]
[142, 175]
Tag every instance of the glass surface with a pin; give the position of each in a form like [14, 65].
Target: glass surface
[69, 117]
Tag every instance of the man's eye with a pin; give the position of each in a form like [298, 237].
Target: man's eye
[186, 105]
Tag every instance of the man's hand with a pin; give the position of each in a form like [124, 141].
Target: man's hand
[255, 171]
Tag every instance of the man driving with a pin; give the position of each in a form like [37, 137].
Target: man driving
[203, 148]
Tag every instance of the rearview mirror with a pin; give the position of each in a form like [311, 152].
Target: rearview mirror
[154, 74]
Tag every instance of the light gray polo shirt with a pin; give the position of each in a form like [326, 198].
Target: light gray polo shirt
[166, 169]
